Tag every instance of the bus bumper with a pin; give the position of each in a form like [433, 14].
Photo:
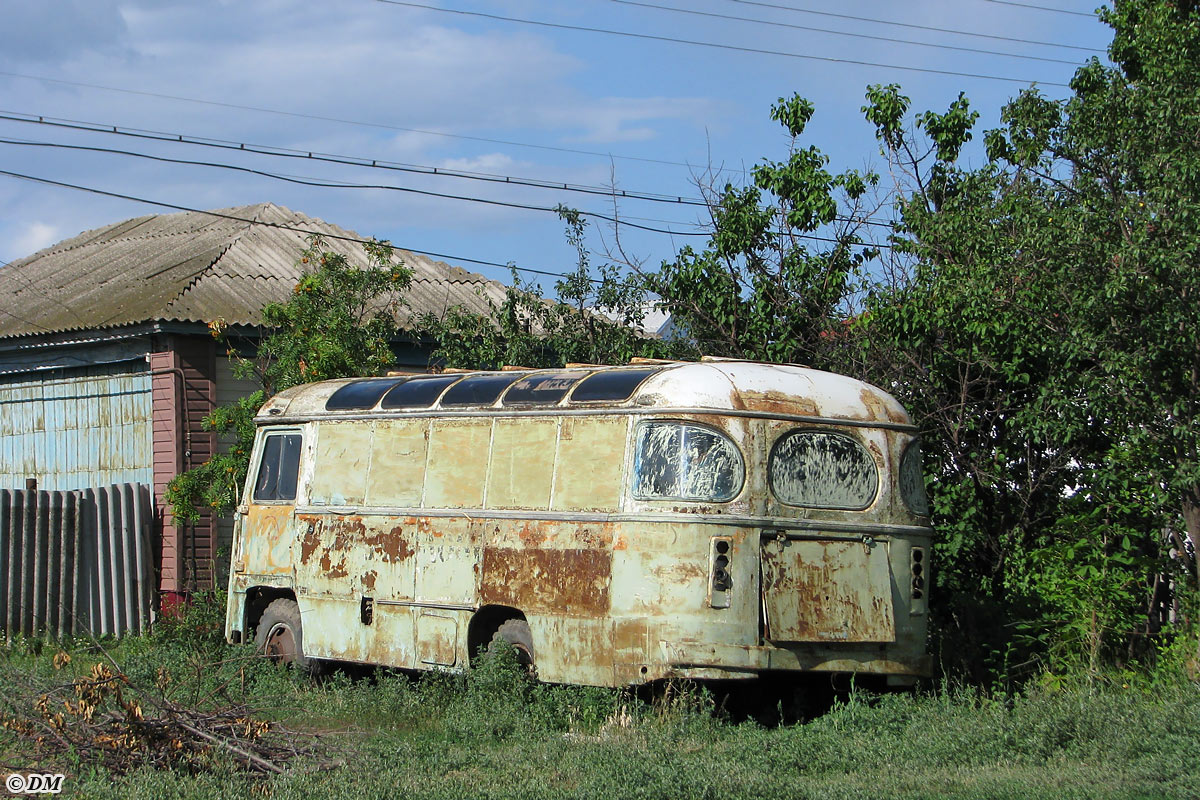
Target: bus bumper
[706, 661]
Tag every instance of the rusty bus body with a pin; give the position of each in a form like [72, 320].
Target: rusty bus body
[718, 519]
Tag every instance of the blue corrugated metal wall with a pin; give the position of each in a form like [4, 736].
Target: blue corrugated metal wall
[74, 428]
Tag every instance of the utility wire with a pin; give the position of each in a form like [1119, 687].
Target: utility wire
[717, 45]
[291, 228]
[334, 184]
[1043, 8]
[298, 115]
[914, 26]
[331, 184]
[356, 161]
[270, 150]
[775, 24]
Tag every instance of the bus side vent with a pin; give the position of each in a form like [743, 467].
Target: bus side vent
[918, 567]
[721, 580]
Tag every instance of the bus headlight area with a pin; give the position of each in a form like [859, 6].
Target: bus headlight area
[615, 525]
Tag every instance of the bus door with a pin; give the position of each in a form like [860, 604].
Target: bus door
[266, 525]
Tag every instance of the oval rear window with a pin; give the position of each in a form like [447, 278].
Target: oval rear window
[821, 469]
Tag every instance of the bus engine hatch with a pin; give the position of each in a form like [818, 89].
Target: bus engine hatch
[826, 590]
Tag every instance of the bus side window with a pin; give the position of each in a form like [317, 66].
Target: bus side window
[278, 468]
[685, 462]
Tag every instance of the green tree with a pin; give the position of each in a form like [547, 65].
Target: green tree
[1046, 339]
[339, 322]
[773, 282]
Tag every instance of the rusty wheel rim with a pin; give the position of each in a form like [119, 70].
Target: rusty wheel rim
[281, 644]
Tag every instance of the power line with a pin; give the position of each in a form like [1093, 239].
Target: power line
[385, 126]
[358, 161]
[1043, 8]
[292, 228]
[332, 184]
[264, 223]
[328, 184]
[775, 24]
[717, 45]
[914, 26]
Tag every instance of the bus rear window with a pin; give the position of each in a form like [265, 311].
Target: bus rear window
[278, 467]
[678, 461]
[820, 469]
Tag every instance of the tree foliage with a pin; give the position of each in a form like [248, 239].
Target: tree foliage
[767, 286]
[592, 320]
[339, 322]
[1046, 339]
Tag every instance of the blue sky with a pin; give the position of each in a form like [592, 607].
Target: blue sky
[428, 88]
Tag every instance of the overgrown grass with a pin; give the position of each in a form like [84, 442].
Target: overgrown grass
[494, 733]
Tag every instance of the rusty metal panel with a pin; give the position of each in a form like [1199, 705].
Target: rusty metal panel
[458, 462]
[590, 464]
[343, 456]
[827, 591]
[521, 471]
[572, 582]
[398, 455]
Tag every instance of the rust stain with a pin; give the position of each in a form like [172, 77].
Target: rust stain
[368, 580]
[391, 546]
[531, 534]
[880, 409]
[876, 453]
[330, 570]
[310, 541]
[569, 582]
[779, 403]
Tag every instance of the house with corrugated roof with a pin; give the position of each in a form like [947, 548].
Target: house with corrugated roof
[108, 366]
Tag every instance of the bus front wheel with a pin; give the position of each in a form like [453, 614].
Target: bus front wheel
[280, 636]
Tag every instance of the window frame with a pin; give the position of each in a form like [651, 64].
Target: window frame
[683, 424]
[260, 453]
[792, 432]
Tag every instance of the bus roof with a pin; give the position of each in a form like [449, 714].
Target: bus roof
[738, 387]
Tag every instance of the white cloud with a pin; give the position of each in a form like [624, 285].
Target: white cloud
[33, 236]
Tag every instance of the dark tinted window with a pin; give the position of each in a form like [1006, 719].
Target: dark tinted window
[478, 390]
[610, 385]
[912, 481]
[543, 388]
[418, 392]
[360, 394]
[819, 469]
[278, 467]
[686, 462]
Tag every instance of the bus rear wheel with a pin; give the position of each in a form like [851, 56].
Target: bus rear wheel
[515, 632]
[280, 636]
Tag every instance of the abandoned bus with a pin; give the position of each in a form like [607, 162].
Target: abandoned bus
[617, 525]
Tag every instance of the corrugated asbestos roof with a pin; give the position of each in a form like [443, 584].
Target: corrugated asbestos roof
[194, 267]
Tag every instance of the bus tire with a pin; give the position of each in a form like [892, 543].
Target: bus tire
[516, 633]
[280, 636]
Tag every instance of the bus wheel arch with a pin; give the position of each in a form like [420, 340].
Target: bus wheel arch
[258, 598]
[500, 623]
